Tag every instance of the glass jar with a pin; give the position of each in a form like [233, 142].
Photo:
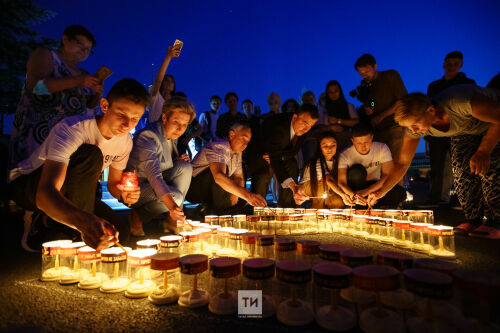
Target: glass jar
[299, 210]
[385, 230]
[69, 258]
[226, 221]
[329, 279]
[253, 223]
[90, 261]
[194, 281]
[324, 221]
[265, 246]
[223, 235]
[420, 237]
[282, 225]
[224, 284]
[172, 244]
[393, 214]
[284, 249]
[293, 293]
[266, 225]
[114, 265]
[442, 241]
[359, 223]
[239, 221]
[259, 211]
[258, 274]
[308, 251]
[212, 241]
[377, 279]
[310, 222]
[296, 224]
[432, 291]
[51, 262]
[330, 252]
[371, 228]
[236, 244]
[191, 241]
[248, 240]
[139, 273]
[212, 219]
[336, 222]
[349, 228]
[180, 226]
[204, 240]
[422, 216]
[168, 282]
[353, 294]
[148, 244]
[402, 234]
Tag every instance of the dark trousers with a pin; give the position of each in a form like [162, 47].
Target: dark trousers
[204, 190]
[79, 187]
[438, 148]
[356, 180]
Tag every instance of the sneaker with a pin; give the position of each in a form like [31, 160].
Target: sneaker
[464, 229]
[486, 231]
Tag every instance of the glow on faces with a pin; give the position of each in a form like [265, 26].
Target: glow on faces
[419, 124]
[328, 148]
[239, 139]
[362, 144]
[367, 72]
[302, 123]
[176, 124]
[120, 117]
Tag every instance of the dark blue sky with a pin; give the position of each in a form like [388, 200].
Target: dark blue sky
[255, 47]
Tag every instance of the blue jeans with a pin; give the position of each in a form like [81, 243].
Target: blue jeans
[178, 178]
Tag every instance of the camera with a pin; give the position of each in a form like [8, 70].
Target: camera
[363, 93]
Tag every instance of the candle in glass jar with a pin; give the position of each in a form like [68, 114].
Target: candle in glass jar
[69, 258]
[51, 267]
[167, 289]
[139, 272]
[114, 265]
[90, 259]
[148, 244]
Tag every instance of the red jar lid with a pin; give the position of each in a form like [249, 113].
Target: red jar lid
[295, 217]
[376, 277]
[249, 237]
[258, 268]
[354, 258]
[193, 263]
[426, 283]
[114, 254]
[140, 257]
[299, 210]
[70, 249]
[164, 261]
[440, 230]
[332, 275]
[293, 271]
[211, 219]
[400, 224]
[86, 253]
[478, 284]
[282, 218]
[52, 248]
[397, 260]
[170, 241]
[437, 265]
[330, 252]
[253, 218]
[264, 240]
[266, 218]
[308, 247]
[419, 227]
[225, 267]
[284, 244]
[225, 218]
[189, 236]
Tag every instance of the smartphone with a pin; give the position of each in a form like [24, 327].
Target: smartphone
[103, 73]
[178, 44]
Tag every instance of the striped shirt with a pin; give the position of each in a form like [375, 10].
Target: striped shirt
[217, 152]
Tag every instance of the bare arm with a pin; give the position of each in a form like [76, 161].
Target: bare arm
[114, 178]
[387, 168]
[342, 182]
[163, 68]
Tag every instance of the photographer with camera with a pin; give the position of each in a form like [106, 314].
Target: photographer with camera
[378, 92]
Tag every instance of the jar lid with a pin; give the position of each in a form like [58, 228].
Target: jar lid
[437, 265]
[213, 228]
[170, 241]
[70, 249]
[289, 211]
[264, 240]
[253, 218]
[300, 210]
[478, 284]
[148, 244]
[211, 219]
[225, 218]
[376, 277]
[258, 209]
[86, 253]
[189, 236]
[324, 215]
[140, 257]
[330, 252]
[225, 267]
[282, 218]
[249, 237]
[114, 254]
[354, 258]
[397, 260]
[308, 247]
[398, 224]
[193, 263]
[440, 230]
[224, 232]
[164, 261]
[426, 283]
[239, 218]
[293, 271]
[52, 248]
[332, 275]
[418, 227]
[203, 233]
[284, 244]
[295, 217]
[266, 218]
[258, 268]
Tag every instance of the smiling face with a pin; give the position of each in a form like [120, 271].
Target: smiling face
[302, 123]
[175, 125]
[328, 148]
[362, 144]
[77, 48]
[239, 139]
[367, 72]
[120, 117]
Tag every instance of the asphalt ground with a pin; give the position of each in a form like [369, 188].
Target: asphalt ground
[28, 305]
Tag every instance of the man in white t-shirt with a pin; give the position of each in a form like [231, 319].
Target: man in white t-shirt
[60, 177]
[363, 168]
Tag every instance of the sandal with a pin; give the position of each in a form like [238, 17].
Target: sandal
[464, 229]
[486, 231]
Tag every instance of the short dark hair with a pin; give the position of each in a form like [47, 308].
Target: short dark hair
[215, 97]
[361, 129]
[308, 108]
[247, 101]
[229, 94]
[365, 60]
[79, 30]
[239, 125]
[180, 94]
[454, 55]
[284, 106]
[128, 89]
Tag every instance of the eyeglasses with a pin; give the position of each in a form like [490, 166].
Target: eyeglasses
[83, 46]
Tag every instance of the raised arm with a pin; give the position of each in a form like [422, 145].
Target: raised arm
[172, 52]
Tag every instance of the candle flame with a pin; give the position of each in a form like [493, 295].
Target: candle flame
[324, 195]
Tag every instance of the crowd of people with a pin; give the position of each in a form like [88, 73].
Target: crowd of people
[319, 152]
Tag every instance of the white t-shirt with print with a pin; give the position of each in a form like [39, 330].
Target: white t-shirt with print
[65, 138]
[379, 153]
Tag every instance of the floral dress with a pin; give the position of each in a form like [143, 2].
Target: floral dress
[37, 114]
